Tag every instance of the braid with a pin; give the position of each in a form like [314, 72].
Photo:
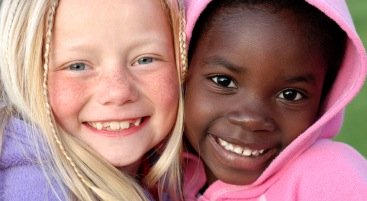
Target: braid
[50, 22]
[182, 43]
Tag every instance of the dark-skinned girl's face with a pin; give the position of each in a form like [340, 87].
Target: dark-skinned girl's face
[254, 85]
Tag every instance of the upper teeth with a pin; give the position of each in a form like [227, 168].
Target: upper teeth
[114, 125]
[244, 151]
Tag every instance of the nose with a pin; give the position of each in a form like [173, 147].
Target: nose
[117, 88]
[252, 117]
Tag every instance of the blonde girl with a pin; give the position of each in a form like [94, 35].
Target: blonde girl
[90, 97]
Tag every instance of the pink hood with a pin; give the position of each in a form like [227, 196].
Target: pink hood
[348, 83]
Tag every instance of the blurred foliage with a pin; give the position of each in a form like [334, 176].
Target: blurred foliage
[354, 131]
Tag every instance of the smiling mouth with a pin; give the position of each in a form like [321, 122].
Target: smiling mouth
[240, 150]
[115, 125]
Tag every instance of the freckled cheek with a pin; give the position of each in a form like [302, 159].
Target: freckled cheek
[66, 96]
[171, 98]
[166, 90]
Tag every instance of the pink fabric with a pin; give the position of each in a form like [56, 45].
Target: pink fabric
[312, 167]
[328, 171]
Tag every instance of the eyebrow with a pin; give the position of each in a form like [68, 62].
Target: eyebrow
[73, 47]
[219, 61]
[307, 78]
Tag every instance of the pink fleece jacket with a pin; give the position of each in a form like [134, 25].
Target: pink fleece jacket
[312, 167]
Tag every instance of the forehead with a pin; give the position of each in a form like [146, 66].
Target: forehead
[99, 16]
[111, 8]
[263, 30]
[259, 23]
[120, 24]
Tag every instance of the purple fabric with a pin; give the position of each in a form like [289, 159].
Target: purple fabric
[21, 177]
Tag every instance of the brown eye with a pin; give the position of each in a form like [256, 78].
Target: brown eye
[291, 95]
[223, 81]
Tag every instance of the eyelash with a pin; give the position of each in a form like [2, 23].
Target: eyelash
[72, 66]
[151, 60]
[76, 66]
[292, 97]
[289, 94]
[219, 78]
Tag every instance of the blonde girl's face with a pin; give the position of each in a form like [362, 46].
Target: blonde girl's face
[112, 78]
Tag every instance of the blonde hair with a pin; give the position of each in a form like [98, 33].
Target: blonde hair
[25, 42]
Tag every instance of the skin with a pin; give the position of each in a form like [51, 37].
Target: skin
[251, 89]
[109, 63]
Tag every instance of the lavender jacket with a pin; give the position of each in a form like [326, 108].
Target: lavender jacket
[21, 177]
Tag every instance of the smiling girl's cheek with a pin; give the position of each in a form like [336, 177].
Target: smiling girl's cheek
[65, 94]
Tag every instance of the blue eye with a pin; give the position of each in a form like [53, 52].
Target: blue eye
[77, 67]
[223, 81]
[145, 60]
[291, 95]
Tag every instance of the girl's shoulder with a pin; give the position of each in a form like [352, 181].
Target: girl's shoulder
[21, 175]
[17, 146]
[26, 182]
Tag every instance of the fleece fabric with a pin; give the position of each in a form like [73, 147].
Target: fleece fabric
[21, 176]
[313, 167]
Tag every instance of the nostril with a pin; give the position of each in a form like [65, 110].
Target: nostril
[255, 122]
[269, 125]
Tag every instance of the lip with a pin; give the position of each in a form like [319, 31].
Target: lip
[125, 132]
[236, 161]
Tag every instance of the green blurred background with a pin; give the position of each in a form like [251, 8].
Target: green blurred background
[354, 131]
